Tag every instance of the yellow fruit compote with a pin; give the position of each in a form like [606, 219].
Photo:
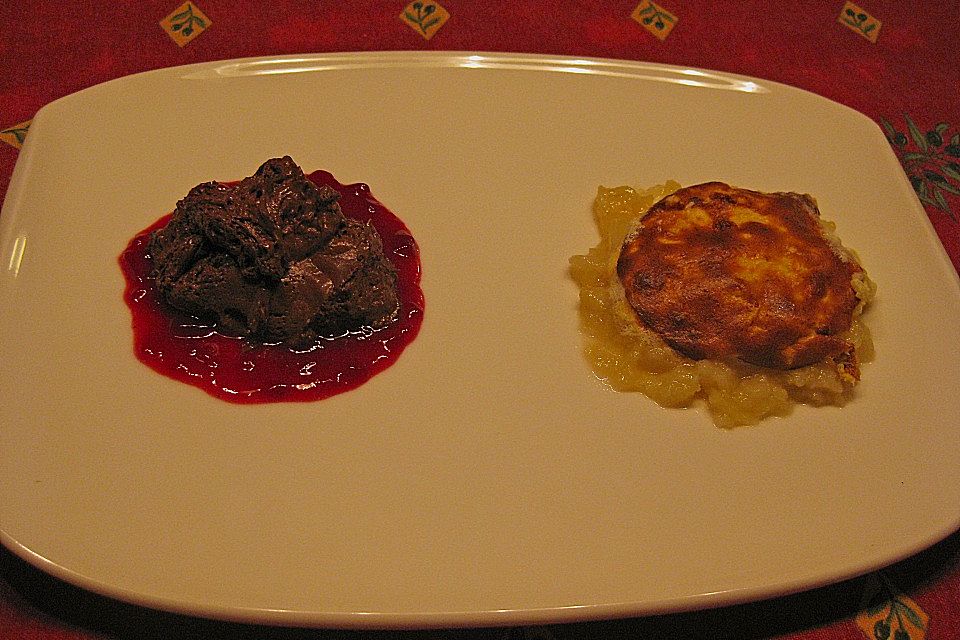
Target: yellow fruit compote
[630, 357]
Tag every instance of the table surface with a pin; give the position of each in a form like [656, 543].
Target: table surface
[895, 62]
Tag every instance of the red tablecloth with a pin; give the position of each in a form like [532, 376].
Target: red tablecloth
[897, 62]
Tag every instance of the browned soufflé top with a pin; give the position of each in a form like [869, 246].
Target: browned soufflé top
[718, 271]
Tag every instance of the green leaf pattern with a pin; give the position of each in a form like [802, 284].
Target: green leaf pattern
[20, 133]
[423, 18]
[859, 21]
[893, 625]
[186, 20]
[652, 14]
[931, 160]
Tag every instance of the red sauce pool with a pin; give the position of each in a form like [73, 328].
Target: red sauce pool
[181, 347]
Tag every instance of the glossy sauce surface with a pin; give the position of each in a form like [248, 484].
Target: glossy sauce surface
[236, 370]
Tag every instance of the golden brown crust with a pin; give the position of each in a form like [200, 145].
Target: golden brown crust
[719, 271]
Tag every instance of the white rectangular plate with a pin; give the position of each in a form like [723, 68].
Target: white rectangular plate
[487, 477]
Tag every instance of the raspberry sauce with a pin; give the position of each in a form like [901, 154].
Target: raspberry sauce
[182, 347]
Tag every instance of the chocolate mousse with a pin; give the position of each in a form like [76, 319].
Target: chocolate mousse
[273, 259]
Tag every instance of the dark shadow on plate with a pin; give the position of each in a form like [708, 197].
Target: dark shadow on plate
[63, 606]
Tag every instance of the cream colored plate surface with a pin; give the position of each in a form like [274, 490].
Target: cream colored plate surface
[487, 477]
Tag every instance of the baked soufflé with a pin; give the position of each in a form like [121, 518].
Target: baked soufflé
[274, 260]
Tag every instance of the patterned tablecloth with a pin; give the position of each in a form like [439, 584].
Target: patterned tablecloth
[897, 62]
